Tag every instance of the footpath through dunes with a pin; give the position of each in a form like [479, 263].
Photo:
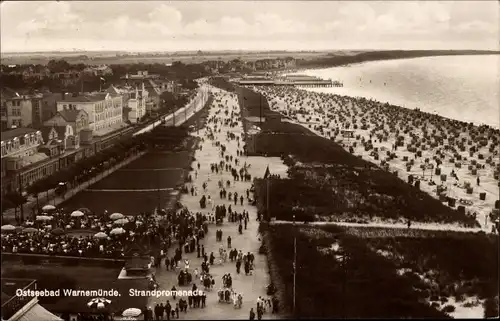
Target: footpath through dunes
[223, 119]
[147, 183]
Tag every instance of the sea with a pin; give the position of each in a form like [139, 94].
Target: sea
[465, 88]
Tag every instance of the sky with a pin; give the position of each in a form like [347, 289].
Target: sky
[28, 26]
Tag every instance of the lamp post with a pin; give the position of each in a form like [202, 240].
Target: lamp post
[260, 110]
[158, 191]
[294, 265]
[341, 256]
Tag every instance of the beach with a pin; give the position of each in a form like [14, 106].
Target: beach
[460, 87]
[453, 161]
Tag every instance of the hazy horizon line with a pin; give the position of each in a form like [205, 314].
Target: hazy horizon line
[235, 50]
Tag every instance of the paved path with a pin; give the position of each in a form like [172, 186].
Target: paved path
[414, 226]
[250, 286]
[130, 190]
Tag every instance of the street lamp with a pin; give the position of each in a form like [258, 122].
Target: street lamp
[341, 256]
[260, 103]
[294, 264]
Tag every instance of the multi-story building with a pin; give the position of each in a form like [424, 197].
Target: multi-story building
[16, 110]
[154, 90]
[19, 145]
[134, 101]
[37, 110]
[49, 105]
[103, 109]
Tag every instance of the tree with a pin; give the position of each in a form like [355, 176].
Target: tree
[18, 200]
[36, 188]
[6, 204]
[56, 66]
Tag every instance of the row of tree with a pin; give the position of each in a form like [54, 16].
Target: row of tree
[82, 171]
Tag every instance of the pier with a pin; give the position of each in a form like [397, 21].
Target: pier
[291, 80]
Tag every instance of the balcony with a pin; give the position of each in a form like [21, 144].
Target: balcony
[11, 302]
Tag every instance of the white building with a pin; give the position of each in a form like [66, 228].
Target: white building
[134, 101]
[103, 109]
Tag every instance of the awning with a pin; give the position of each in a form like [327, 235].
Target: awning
[38, 312]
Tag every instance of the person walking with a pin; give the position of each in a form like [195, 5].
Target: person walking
[252, 314]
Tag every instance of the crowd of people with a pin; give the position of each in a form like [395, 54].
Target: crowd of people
[220, 211]
[177, 231]
[88, 235]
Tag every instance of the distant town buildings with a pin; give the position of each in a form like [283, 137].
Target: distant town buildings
[103, 70]
[141, 75]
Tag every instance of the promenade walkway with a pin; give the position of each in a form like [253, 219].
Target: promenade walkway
[251, 286]
[414, 226]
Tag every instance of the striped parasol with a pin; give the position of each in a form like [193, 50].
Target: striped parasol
[98, 303]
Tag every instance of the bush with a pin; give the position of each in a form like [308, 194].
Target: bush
[449, 309]
[491, 307]
[367, 276]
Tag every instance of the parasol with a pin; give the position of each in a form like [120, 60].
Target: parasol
[77, 214]
[43, 218]
[98, 303]
[117, 231]
[132, 312]
[100, 235]
[120, 221]
[116, 216]
[48, 208]
[30, 230]
[8, 228]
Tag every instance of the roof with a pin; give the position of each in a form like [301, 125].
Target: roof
[137, 263]
[70, 115]
[86, 98]
[16, 132]
[46, 129]
[32, 159]
[8, 93]
[38, 312]
[156, 88]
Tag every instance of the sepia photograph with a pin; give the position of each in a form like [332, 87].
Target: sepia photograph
[249, 160]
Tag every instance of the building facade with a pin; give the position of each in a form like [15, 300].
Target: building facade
[17, 145]
[16, 112]
[134, 99]
[103, 109]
